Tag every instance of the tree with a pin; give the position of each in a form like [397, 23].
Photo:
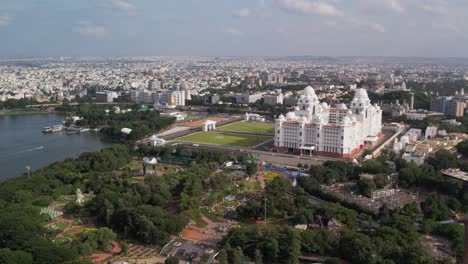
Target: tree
[443, 159]
[409, 174]
[462, 148]
[250, 168]
[357, 248]
[366, 187]
[258, 257]
[237, 256]
[9, 256]
[374, 167]
[171, 260]
[100, 238]
[223, 257]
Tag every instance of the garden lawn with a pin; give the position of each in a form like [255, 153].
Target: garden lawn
[61, 241]
[209, 215]
[58, 226]
[214, 138]
[250, 127]
[195, 215]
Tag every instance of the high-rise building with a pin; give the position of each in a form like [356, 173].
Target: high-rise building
[273, 99]
[317, 128]
[162, 97]
[448, 106]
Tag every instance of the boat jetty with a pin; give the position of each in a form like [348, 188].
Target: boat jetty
[76, 130]
[54, 129]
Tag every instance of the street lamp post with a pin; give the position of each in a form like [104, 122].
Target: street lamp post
[29, 171]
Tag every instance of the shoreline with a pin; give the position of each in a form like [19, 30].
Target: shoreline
[23, 112]
[41, 151]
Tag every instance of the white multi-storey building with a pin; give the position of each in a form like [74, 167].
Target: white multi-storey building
[317, 128]
[164, 97]
[273, 99]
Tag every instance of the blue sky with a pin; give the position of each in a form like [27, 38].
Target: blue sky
[435, 28]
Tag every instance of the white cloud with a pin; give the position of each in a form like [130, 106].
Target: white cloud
[5, 20]
[434, 9]
[234, 32]
[362, 25]
[86, 28]
[123, 5]
[309, 7]
[446, 26]
[393, 5]
[244, 12]
[377, 27]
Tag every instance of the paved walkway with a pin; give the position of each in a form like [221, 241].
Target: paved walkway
[99, 257]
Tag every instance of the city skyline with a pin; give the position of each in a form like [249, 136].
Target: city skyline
[431, 28]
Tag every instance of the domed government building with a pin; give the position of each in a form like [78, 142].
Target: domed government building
[315, 128]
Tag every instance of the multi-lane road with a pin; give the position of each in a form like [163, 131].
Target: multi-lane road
[266, 156]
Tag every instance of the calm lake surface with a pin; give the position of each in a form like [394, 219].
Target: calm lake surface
[22, 143]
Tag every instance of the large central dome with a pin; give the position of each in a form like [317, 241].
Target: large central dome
[309, 91]
[361, 94]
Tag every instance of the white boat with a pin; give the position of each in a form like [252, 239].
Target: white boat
[54, 129]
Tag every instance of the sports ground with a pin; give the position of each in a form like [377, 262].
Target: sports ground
[250, 127]
[223, 139]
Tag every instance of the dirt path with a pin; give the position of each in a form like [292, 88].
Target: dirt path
[99, 257]
[261, 179]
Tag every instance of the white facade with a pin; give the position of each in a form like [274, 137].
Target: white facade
[176, 98]
[209, 125]
[247, 98]
[413, 157]
[319, 128]
[273, 99]
[165, 97]
[254, 117]
[431, 132]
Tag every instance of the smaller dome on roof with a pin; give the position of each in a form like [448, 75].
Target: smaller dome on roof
[342, 106]
[290, 115]
[150, 161]
[346, 121]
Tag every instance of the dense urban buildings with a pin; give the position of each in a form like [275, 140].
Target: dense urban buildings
[450, 105]
[315, 127]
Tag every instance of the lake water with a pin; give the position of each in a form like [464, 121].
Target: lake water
[22, 143]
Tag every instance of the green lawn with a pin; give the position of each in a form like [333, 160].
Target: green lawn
[192, 116]
[209, 215]
[195, 215]
[250, 127]
[58, 226]
[73, 233]
[214, 138]
[61, 241]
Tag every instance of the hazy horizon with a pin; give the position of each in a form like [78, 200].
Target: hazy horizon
[242, 28]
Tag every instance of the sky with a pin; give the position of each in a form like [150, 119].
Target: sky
[406, 28]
